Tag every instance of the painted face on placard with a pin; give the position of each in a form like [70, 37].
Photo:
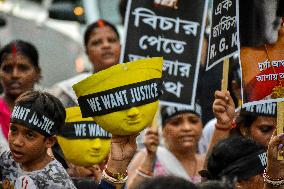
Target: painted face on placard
[83, 142]
[85, 152]
[130, 87]
[129, 121]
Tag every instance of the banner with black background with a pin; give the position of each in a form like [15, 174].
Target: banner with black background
[120, 98]
[174, 34]
[83, 130]
[223, 39]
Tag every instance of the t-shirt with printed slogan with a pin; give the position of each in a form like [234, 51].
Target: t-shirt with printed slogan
[52, 176]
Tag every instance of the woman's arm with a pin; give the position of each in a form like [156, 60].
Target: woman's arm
[141, 167]
[224, 111]
[122, 151]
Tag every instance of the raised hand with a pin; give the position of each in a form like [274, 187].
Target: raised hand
[223, 109]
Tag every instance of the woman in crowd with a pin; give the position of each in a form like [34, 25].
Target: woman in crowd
[246, 161]
[257, 121]
[238, 159]
[102, 45]
[181, 132]
[19, 72]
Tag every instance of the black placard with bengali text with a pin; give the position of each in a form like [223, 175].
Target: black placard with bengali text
[176, 35]
[224, 35]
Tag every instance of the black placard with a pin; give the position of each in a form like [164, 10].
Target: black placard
[120, 98]
[176, 34]
[224, 35]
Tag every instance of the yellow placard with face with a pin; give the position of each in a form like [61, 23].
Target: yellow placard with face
[122, 99]
[83, 141]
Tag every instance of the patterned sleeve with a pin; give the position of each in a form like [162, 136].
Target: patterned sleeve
[5, 158]
[54, 176]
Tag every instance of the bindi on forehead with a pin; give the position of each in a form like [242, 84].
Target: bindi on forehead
[14, 50]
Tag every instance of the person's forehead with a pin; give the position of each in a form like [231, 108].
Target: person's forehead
[105, 30]
[22, 128]
[186, 114]
[19, 59]
[183, 116]
[265, 120]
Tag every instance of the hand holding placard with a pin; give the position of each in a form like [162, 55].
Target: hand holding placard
[280, 124]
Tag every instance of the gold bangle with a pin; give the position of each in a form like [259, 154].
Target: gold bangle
[118, 176]
[112, 180]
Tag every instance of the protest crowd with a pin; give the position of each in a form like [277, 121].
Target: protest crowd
[190, 99]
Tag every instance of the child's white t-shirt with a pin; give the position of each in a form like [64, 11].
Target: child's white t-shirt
[52, 176]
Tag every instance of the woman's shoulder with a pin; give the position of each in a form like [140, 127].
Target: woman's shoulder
[2, 101]
[4, 106]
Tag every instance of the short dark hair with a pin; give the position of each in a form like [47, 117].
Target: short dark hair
[232, 158]
[122, 9]
[244, 119]
[44, 103]
[23, 47]
[216, 184]
[97, 24]
[234, 74]
[168, 112]
[166, 182]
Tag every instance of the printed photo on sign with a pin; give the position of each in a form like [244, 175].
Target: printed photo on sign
[224, 38]
[263, 72]
[174, 30]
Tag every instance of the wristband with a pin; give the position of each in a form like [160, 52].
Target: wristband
[143, 173]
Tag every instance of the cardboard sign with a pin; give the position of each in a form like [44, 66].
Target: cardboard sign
[83, 136]
[263, 72]
[124, 93]
[174, 32]
[223, 39]
[120, 98]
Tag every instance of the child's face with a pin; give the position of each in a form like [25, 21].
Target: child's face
[28, 147]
